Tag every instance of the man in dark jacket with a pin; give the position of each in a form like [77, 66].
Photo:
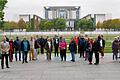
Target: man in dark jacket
[17, 46]
[96, 48]
[115, 47]
[42, 41]
[102, 45]
[72, 48]
[48, 47]
[25, 47]
[81, 43]
[56, 45]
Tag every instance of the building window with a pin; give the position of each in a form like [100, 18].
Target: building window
[63, 14]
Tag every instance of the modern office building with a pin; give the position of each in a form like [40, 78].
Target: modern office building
[98, 17]
[69, 13]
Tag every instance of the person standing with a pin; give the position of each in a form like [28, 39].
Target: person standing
[56, 45]
[96, 48]
[89, 50]
[81, 45]
[31, 53]
[72, 48]
[17, 46]
[63, 48]
[36, 46]
[48, 47]
[7, 39]
[118, 37]
[42, 44]
[102, 46]
[11, 51]
[76, 41]
[115, 47]
[25, 47]
[4, 46]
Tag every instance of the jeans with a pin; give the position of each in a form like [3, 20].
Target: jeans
[24, 56]
[16, 51]
[73, 55]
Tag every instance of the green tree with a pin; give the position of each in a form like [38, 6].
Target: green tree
[107, 24]
[46, 25]
[85, 24]
[59, 23]
[10, 25]
[2, 6]
[22, 24]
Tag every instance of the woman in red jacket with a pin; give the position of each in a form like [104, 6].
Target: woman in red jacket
[11, 51]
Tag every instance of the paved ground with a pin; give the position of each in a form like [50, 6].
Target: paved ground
[57, 70]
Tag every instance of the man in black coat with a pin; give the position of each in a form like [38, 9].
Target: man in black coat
[17, 46]
[96, 48]
[102, 45]
[56, 45]
[41, 42]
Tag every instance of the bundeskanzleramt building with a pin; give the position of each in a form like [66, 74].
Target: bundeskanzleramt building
[69, 13]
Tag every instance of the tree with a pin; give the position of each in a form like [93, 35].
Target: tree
[99, 25]
[85, 24]
[46, 25]
[22, 24]
[10, 25]
[2, 6]
[59, 23]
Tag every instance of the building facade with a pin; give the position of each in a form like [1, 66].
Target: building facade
[98, 17]
[32, 19]
[69, 13]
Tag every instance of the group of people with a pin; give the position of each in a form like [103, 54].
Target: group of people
[84, 45]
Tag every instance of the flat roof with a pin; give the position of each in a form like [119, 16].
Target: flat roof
[57, 7]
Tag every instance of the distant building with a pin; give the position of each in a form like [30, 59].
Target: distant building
[69, 13]
[29, 18]
[98, 17]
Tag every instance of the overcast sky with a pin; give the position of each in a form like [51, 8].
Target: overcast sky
[16, 7]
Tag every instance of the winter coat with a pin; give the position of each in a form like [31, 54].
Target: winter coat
[72, 46]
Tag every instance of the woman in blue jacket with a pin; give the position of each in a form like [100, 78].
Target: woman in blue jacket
[72, 48]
